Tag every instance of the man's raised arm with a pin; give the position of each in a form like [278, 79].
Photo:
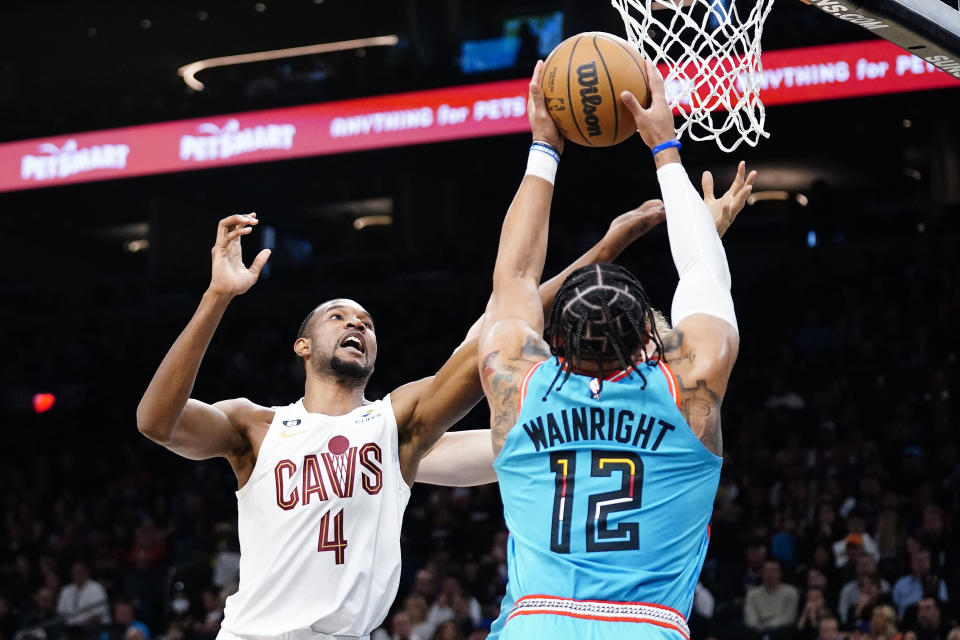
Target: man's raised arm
[511, 338]
[465, 458]
[166, 413]
[705, 341]
[427, 408]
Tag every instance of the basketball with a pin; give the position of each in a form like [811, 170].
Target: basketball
[583, 78]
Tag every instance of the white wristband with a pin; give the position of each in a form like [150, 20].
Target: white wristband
[543, 162]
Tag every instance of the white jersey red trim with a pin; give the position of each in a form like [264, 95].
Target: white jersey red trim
[319, 525]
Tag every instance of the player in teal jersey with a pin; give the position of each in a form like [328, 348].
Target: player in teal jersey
[607, 438]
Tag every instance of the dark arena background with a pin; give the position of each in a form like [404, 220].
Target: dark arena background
[841, 460]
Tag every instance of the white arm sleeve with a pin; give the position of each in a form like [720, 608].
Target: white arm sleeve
[698, 254]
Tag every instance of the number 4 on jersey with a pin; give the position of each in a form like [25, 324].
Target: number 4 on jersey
[337, 543]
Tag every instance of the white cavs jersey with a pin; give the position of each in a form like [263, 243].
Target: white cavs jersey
[319, 526]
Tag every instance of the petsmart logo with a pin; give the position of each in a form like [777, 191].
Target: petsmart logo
[61, 162]
[228, 141]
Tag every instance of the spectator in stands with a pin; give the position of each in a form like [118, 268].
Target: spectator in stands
[861, 612]
[124, 620]
[814, 609]
[701, 617]
[883, 623]
[930, 624]
[910, 588]
[889, 538]
[829, 629]
[822, 562]
[209, 623]
[83, 602]
[142, 581]
[415, 607]
[933, 536]
[425, 584]
[43, 609]
[866, 566]
[856, 537]
[464, 613]
[756, 556]
[448, 630]
[771, 608]
[400, 628]
[442, 608]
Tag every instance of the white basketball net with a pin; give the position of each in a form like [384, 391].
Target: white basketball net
[713, 61]
[340, 464]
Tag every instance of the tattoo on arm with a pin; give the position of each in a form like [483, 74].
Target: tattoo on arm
[502, 377]
[535, 349]
[672, 341]
[673, 349]
[700, 405]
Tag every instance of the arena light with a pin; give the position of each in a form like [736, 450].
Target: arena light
[189, 71]
[136, 246]
[372, 221]
[768, 195]
[43, 402]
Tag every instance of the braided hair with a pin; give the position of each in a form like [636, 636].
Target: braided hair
[601, 312]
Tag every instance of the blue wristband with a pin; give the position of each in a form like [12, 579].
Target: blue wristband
[666, 145]
[545, 148]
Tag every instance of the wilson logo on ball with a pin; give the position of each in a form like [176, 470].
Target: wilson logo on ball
[583, 79]
[590, 97]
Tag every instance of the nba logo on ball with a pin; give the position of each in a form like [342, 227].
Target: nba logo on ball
[595, 388]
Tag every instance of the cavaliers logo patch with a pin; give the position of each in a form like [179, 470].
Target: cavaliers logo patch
[291, 423]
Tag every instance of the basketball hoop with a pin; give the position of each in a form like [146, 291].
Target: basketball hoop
[713, 63]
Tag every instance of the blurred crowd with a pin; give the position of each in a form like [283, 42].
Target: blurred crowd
[836, 515]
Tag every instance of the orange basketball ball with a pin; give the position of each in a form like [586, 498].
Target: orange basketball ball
[582, 82]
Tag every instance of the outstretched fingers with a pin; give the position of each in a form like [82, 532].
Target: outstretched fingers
[743, 179]
[235, 233]
[655, 84]
[707, 183]
[742, 187]
[234, 226]
[259, 262]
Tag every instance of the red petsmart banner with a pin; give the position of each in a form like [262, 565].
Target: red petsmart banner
[261, 136]
[789, 76]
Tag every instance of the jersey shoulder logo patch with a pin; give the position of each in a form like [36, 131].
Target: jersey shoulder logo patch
[368, 415]
[595, 388]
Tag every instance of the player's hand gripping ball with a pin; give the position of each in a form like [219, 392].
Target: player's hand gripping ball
[583, 78]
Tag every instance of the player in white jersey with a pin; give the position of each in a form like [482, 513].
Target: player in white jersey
[322, 482]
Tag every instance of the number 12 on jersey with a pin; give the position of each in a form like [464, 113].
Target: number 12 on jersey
[599, 537]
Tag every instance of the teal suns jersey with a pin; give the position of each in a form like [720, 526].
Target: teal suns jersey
[607, 492]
